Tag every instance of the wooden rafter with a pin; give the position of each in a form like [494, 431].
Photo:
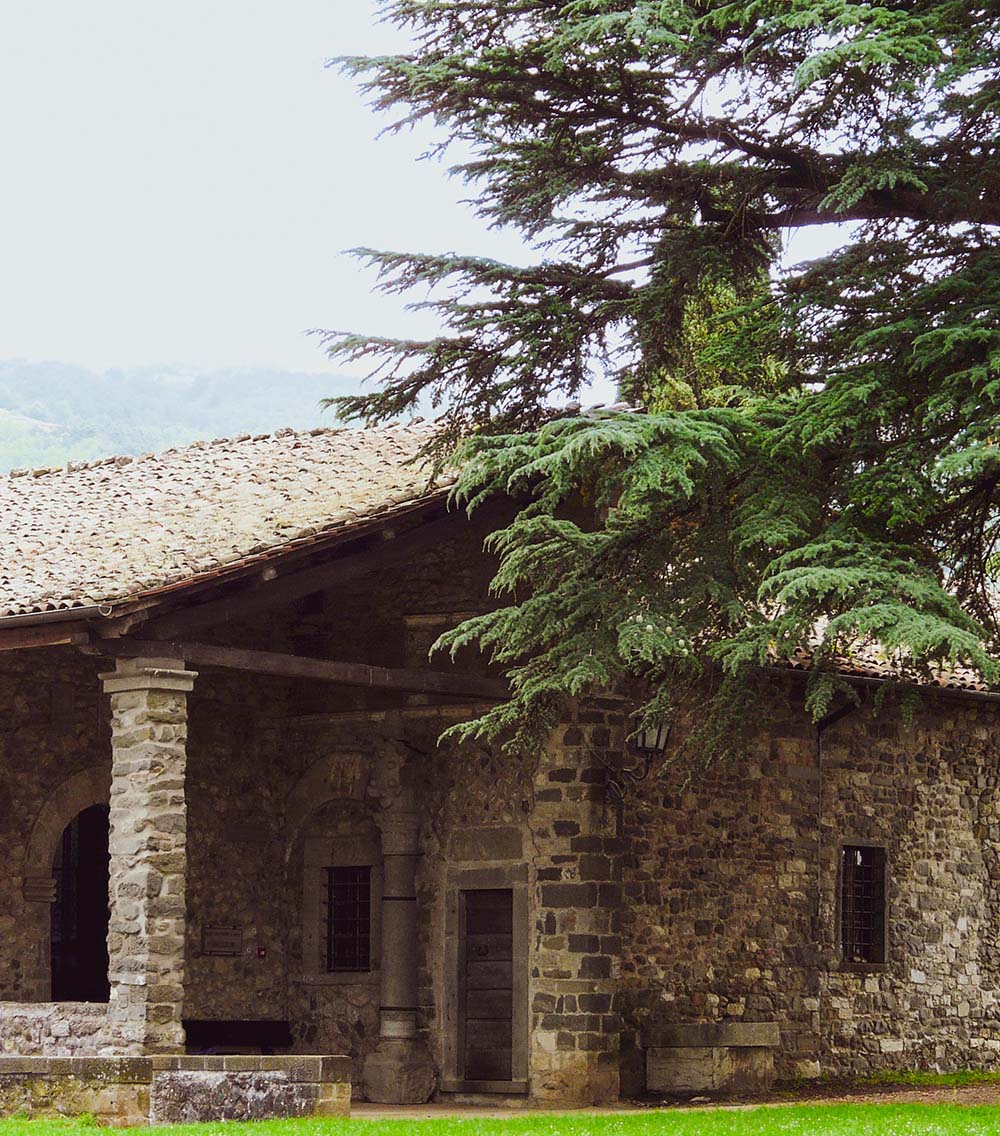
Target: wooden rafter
[272, 588]
[57, 634]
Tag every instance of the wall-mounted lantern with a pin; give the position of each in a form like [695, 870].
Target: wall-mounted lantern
[650, 743]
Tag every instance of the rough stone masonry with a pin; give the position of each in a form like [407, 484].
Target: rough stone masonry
[703, 900]
[148, 849]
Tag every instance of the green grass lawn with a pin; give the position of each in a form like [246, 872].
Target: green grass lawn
[793, 1120]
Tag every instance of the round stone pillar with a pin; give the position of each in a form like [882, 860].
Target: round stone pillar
[401, 1070]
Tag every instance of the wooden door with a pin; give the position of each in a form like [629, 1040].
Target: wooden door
[486, 964]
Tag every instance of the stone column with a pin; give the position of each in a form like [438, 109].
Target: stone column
[148, 855]
[575, 1027]
[401, 1070]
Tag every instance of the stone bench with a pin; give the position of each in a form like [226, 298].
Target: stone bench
[727, 1057]
[176, 1090]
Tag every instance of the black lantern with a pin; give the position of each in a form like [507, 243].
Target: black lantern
[651, 741]
[650, 744]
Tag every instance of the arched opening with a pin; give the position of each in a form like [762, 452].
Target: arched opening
[80, 911]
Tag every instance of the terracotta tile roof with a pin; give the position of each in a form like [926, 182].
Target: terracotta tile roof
[869, 661]
[98, 532]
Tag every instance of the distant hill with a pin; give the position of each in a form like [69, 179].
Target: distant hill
[51, 413]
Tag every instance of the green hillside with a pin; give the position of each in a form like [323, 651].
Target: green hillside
[51, 413]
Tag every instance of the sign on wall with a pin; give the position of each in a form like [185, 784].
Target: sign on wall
[222, 941]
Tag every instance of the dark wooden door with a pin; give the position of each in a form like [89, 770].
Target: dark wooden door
[80, 912]
[487, 966]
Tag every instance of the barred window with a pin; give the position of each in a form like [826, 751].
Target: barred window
[862, 904]
[347, 918]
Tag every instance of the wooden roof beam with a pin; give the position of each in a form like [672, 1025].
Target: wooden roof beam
[55, 634]
[410, 680]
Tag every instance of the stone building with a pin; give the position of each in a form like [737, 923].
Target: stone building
[226, 814]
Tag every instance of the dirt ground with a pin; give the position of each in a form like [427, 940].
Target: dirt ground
[883, 1094]
[898, 1094]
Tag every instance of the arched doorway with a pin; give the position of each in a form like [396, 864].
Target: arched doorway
[80, 911]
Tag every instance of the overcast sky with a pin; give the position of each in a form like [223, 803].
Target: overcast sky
[179, 180]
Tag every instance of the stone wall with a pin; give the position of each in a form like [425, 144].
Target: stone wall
[928, 792]
[52, 1029]
[730, 881]
[53, 731]
[239, 773]
[332, 1012]
[264, 754]
[711, 898]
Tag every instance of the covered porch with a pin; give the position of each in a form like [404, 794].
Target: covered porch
[230, 868]
[222, 670]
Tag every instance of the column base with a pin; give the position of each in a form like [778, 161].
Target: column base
[400, 1071]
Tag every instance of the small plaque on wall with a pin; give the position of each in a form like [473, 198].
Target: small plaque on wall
[222, 941]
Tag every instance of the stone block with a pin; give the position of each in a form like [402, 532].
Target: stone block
[197, 1063]
[241, 1063]
[704, 1069]
[334, 1069]
[565, 828]
[187, 1097]
[32, 1066]
[595, 966]
[487, 843]
[691, 1069]
[399, 1072]
[711, 1034]
[304, 1069]
[569, 895]
[120, 1070]
[333, 1100]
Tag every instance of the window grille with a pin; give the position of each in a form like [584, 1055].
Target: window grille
[347, 918]
[862, 904]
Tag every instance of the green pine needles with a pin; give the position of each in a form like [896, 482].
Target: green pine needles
[818, 460]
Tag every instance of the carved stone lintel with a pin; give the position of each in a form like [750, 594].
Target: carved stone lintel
[148, 674]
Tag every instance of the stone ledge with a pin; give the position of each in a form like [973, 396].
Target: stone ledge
[703, 1035]
[142, 1090]
[121, 1070]
[319, 1068]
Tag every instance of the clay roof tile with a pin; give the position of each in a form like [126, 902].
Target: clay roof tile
[106, 531]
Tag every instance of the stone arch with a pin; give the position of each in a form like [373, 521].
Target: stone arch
[339, 776]
[89, 787]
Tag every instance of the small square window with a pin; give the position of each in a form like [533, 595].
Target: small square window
[347, 919]
[862, 905]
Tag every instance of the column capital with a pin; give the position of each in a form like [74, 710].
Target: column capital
[148, 674]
